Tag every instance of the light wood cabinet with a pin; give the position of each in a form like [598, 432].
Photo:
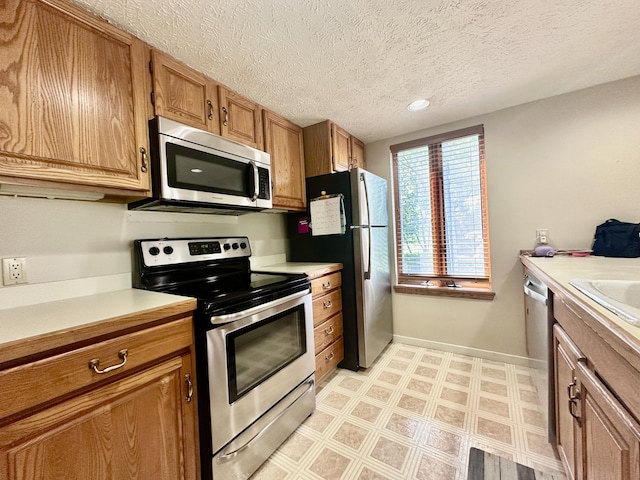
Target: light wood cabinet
[240, 118]
[566, 357]
[134, 421]
[183, 94]
[598, 434]
[327, 322]
[609, 441]
[73, 111]
[328, 148]
[283, 141]
[357, 153]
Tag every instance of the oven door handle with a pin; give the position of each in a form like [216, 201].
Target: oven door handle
[232, 317]
[225, 457]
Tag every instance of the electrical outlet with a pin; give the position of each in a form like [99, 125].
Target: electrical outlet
[542, 235]
[14, 270]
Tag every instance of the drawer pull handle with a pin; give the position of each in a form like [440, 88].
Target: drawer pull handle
[187, 380]
[226, 116]
[327, 304]
[329, 357]
[328, 330]
[327, 285]
[210, 105]
[95, 363]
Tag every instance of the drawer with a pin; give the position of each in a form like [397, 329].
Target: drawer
[322, 285]
[329, 358]
[42, 381]
[327, 332]
[326, 306]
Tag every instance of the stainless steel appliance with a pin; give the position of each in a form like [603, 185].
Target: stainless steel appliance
[254, 346]
[197, 171]
[364, 252]
[538, 327]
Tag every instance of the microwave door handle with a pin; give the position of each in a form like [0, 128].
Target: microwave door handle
[256, 181]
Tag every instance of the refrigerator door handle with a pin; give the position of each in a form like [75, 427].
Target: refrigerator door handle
[367, 272]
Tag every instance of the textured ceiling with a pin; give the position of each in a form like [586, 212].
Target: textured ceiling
[360, 62]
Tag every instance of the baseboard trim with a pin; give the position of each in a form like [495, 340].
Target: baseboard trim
[462, 350]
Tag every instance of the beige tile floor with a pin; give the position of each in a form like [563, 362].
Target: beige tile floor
[414, 415]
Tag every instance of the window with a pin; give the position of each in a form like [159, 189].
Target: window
[442, 237]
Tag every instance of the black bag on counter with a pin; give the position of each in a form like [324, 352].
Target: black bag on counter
[617, 239]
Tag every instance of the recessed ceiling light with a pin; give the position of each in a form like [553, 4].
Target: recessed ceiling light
[418, 105]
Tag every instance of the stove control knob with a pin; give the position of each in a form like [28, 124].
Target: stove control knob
[243, 245]
[154, 251]
[235, 246]
[168, 250]
[227, 246]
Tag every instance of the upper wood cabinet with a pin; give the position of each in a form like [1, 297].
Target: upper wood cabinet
[283, 141]
[240, 118]
[73, 111]
[329, 148]
[357, 153]
[183, 94]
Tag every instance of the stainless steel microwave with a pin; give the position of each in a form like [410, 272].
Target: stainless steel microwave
[199, 172]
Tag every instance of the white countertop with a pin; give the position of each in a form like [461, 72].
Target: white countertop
[562, 269]
[43, 319]
[309, 268]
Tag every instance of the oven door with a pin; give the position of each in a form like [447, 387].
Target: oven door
[255, 358]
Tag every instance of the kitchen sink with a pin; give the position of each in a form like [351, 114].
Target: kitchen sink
[622, 297]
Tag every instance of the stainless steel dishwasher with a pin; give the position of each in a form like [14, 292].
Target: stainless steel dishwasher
[538, 324]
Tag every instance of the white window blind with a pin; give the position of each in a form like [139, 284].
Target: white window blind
[441, 215]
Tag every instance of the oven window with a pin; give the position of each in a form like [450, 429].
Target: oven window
[196, 170]
[259, 351]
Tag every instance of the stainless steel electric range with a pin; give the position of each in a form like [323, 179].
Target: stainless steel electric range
[253, 343]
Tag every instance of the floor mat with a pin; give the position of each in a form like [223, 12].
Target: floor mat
[486, 466]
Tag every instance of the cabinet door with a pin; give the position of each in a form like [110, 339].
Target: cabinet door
[283, 141]
[357, 153]
[72, 100]
[138, 428]
[341, 148]
[183, 94]
[610, 437]
[566, 357]
[240, 118]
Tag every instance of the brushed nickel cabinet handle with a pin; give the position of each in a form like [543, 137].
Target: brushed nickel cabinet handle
[329, 330]
[187, 380]
[327, 285]
[226, 116]
[95, 363]
[327, 304]
[329, 357]
[210, 105]
[145, 166]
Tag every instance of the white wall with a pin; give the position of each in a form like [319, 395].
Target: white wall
[77, 247]
[565, 163]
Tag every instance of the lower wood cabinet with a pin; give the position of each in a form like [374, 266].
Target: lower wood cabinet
[135, 420]
[566, 357]
[598, 433]
[327, 322]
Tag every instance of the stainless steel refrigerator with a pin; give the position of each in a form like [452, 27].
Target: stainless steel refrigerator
[363, 249]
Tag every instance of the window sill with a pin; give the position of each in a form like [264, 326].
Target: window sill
[472, 293]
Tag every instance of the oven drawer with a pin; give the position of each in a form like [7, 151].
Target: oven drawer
[324, 284]
[326, 306]
[45, 380]
[329, 358]
[327, 332]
